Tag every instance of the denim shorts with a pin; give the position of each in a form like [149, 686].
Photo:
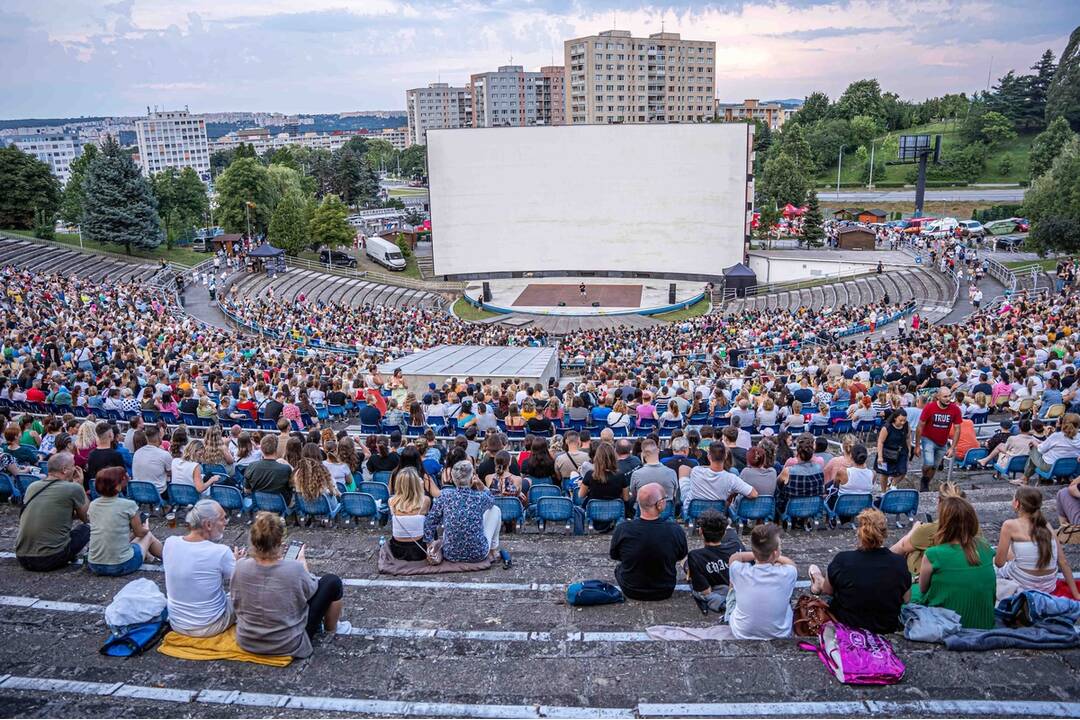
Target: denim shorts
[124, 568]
[932, 453]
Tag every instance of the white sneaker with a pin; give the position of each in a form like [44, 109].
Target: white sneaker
[344, 627]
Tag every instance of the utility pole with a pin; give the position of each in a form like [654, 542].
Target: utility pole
[839, 164]
[870, 186]
[247, 211]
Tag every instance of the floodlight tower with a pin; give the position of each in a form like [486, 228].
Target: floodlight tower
[918, 149]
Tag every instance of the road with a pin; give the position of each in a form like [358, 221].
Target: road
[1000, 195]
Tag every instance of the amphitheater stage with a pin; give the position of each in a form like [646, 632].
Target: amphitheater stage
[602, 296]
[438, 364]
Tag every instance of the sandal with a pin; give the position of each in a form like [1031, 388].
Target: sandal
[817, 580]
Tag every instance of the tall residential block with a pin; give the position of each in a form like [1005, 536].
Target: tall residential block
[510, 96]
[437, 106]
[173, 139]
[57, 150]
[614, 77]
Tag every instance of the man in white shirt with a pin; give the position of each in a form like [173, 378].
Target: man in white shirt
[762, 581]
[150, 463]
[712, 481]
[197, 567]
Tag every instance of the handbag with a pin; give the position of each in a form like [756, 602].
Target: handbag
[809, 615]
[856, 656]
[890, 454]
[434, 552]
[593, 592]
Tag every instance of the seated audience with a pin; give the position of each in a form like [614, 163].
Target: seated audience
[707, 566]
[648, 549]
[46, 539]
[1028, 556]
[469, 518]
[762, 581]
[114, 521]
[408, 511]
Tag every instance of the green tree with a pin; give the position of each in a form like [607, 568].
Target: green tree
[71, 205]
[381, 154]
[350, 180]
[1063, 94]
[813, 232]
[996, 128]
[283, 156]
[971, 127]
[403, 246]
[288, 226]
[793, 144]
[182, 202]
[414, 161]
[27, 187]
[245, 150]
[768, 216]
[814, 109]
[413, 216]
[1053, 203]
[1038, 87]
[119, 205]
[826, 138]
[783, 182]
[245, 181]
[284, 180]
[864, 129]
[221, 159]
[862, 97]
[329, 226]
[899, 114]
[1005, 166]
[1048, 144]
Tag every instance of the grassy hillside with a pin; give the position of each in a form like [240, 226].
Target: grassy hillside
[1016, 150]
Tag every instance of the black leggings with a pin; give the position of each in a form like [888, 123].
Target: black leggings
[410, 551]
[329, 591]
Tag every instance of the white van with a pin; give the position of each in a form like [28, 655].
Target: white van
[946, 225]
[385, 253]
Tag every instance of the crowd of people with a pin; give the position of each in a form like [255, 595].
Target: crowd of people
[730, 429]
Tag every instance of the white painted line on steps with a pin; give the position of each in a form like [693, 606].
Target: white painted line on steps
[400, 708]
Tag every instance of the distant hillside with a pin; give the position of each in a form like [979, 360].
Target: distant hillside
[788, 102]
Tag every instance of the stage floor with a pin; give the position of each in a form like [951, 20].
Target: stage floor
[616, 295]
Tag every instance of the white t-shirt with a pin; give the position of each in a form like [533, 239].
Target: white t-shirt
[708, 484]
[152, 464]
[195, 577]
[339, 472]
[762, 600]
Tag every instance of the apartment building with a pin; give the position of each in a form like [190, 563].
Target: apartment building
[57, 150]
[173, 138]
[510, 96]
[262, 140]
[772, 114]
[437, 106]
[614, 77]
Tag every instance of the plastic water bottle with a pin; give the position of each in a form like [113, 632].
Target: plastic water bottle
[382, 541]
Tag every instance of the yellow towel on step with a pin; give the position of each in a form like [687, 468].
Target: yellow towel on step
[215, 647]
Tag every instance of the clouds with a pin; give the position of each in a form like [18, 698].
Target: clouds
[116, 57]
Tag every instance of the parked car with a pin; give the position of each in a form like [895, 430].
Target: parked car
[1009, 242]
[385, 253]
[946, 225]
[1022, 224]
[336, 258]
[972, 228]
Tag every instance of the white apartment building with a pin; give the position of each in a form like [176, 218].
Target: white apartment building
[262, 140]
[613, 77]
[772, 114]
[512, 97]
[437, 106]
[173, 139]
[56, 150]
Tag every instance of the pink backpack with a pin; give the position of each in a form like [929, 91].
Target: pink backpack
[855, 656]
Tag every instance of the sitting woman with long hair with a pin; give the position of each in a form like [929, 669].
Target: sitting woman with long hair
[957, 572]
[408, 508]
[1028, 556]
[311, 479]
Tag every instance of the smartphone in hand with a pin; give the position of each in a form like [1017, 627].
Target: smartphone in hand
[293, 551]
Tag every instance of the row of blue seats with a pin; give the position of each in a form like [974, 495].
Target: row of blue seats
[1064, 469]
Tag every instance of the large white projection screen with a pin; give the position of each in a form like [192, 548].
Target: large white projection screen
[667, 200]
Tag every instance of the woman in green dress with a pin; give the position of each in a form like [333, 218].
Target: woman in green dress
[957, 572]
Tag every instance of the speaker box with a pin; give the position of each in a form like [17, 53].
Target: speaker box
[671, 294]
[596, 303]
[487, 292]
[561, 304]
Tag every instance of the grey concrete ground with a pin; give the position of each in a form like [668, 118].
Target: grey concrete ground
[560, 668]
[1000, 195]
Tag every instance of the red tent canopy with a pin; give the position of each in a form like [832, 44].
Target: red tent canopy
[792, 211]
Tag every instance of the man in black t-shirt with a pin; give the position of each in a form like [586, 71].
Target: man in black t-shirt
[708, 565]
[648, 549]
[103, 456]
[271, 409]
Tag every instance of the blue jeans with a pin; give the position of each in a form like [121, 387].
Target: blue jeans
[124, 568]
[932, 453]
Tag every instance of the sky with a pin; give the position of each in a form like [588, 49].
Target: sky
[64, 58]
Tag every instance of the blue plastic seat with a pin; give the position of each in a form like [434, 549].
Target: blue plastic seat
[515, 433]
[748, 510]
[23, 483]
[697, 507]
[1016, 465]
[841, 427]
[378, 490]
[543, 490]
[150, 416]
[900, 502]
[322, 412]
[144, 493]
[183, 495]
[554, 509]
[804, 508]
[8, 490]
[980, 418]
[511, 509]
[319, 508]
[230, 499]
[211, 469]
[970, 458]
[358, 505]
[668, 513]
[605, 511]
[271, 502]
[383, 476]
[1063, 468]
[366, 429]
[336, 410]
[865, 427]
[415, 430]
[189, 419]
[848, 506]
[620, 432]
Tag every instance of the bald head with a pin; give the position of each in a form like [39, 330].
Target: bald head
[650, 500]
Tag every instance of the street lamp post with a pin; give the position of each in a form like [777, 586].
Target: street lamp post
[79, 228]
[870, 186]
[839, 165]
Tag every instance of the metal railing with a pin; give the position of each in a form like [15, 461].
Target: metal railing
[790, 285]
[375, 277]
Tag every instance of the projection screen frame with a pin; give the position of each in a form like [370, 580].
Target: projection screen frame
[745, 209]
